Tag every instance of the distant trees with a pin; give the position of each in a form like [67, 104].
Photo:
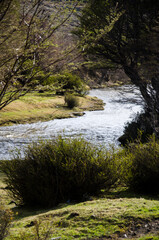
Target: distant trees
[125, 33]
[28, 46]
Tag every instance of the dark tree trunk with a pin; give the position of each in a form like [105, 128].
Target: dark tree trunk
[155, 95]
[150, 94]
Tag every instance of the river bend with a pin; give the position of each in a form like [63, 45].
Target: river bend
[100, 127]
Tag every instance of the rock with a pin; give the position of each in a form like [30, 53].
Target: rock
[125, 236]
[78, 114]
[72, 215]
[41, 91]
[55, 238]
[31, 224]
[93, 216]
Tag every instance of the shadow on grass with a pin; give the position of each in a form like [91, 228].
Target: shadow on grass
[125, 192]
[25, 211]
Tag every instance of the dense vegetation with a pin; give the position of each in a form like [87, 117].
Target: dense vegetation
[30, 51]
[139, 126]
[65, 82]
[144, 167]
[124, 34]
[59, 171]
[73, 170]
[65, 170]
[121, 34]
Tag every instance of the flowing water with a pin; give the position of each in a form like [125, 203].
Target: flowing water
[100, 127]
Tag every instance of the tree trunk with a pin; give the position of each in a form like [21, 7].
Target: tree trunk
[151, 98]
[155, 90]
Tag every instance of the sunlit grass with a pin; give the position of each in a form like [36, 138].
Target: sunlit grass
[46, 106]
[96, 218]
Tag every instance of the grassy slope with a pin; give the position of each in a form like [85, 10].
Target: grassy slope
[104, 217]
[116, 215]
[44, 106]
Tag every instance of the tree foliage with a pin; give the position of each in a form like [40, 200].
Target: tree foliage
[125, 34]
[28, 44]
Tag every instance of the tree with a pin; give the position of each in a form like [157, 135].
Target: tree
[125, 33]
[29, 50]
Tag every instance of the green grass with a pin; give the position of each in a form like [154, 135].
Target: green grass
[108, 216]
[150, 237]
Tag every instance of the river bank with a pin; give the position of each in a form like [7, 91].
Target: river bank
[44, 107]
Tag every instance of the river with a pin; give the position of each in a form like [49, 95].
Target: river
[99, 127]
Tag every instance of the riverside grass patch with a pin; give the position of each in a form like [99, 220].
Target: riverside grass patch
[45, 106]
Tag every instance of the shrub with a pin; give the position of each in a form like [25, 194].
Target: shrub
[6, 216]
[58, 171]
[140, 123]
[67, 81]
[71, 101]
[41, 230]
[142, 167]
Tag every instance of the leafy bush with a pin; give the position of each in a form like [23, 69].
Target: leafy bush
[71, 101]
[141, 123]
[142, 167]
[59, 171]
[66, 81]
[6, 217]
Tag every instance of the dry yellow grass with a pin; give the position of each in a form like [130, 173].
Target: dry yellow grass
[42, 107]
